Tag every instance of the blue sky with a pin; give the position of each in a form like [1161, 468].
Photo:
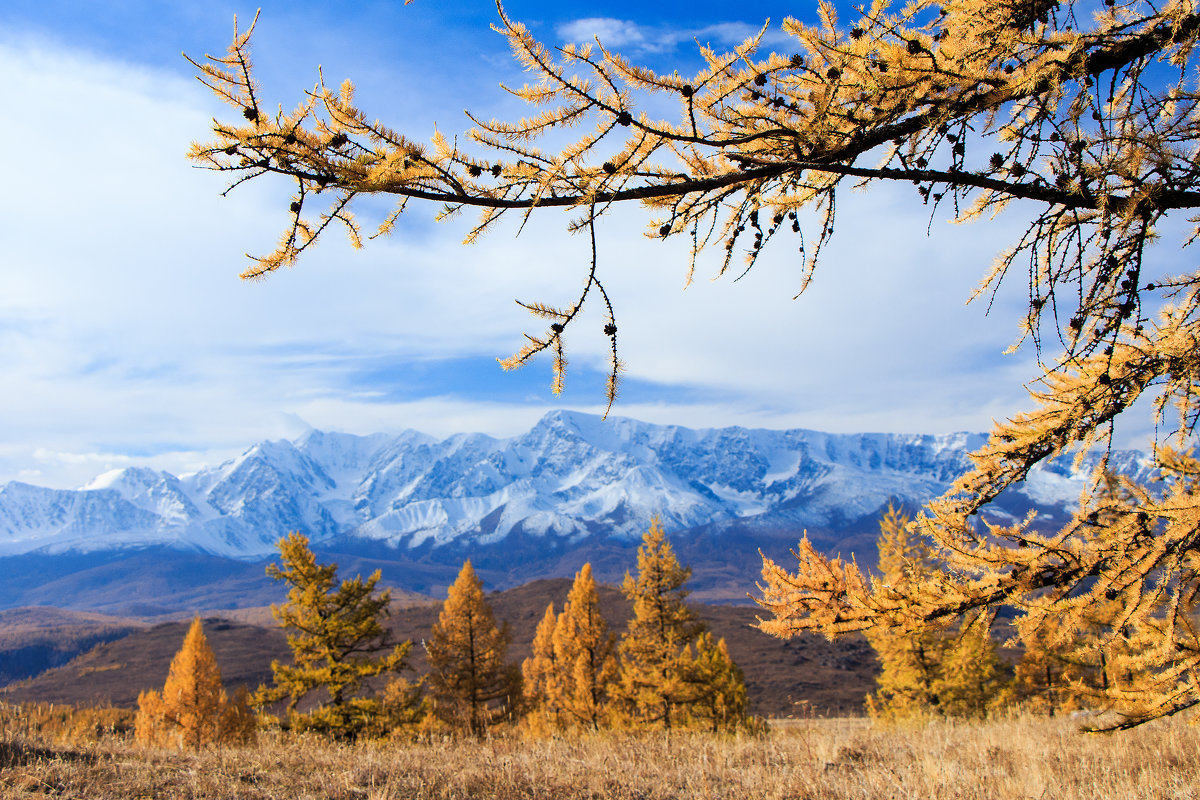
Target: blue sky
[127, 338]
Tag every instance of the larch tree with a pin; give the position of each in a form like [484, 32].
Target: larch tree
[929, 670]
[585, 652]
[656, 662]
[1064, 668]
[569, 678]
[1045, 681]
[542, 679]
[1079, 118]
[719, 702]
[473, 685]
[193, 710]
[972, 681]
[910, 660]
[338, 642]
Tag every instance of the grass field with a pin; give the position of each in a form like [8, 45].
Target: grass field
[847, 758]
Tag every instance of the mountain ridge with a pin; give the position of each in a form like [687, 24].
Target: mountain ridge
[535, 505]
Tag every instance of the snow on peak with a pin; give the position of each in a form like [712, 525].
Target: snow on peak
[105, 480]
[570, 475]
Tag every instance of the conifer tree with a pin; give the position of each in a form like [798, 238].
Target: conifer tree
[719, 702]
[472, 684]
[1065, 668]
[929, 669]
[585, 654]
[338, 642]
[402, 711]
[910, 661]
[193, 710]
[1110, 645]
[1083, 120]
[239, 724]
[972, 680]
[543, 679]
[1045, 680]
[655, 653]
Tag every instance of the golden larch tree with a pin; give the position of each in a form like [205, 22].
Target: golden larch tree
[719, 701]
[473, 685]
[972, 680]
[655, 656]
[542, 679]
[929, 669]
[910, 660]
[1045, 681]
[1066, 667]
[192, 710]
[585, 653]
[1081, 121]
[338, 642]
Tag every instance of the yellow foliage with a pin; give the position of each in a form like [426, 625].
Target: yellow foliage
[663, 682]
[542, 680]
[719, 701]
[928, 671]
[192, 710]
[655, 652]
[585, 653]
[473, 686]
[569, 678]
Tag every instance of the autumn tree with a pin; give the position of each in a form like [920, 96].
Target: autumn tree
[338, 642]
[929, 669]
[655, 654]
[569, 678]
[910, 661]
[1070, 667]
[1045, 679]
[193, 709]
[473, 685]
[972, 680]
[586, 653]
[542, 679]
[1078, 119]
[719, 701]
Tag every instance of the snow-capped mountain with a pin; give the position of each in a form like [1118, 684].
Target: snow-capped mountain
[518, 506]
[571, 476]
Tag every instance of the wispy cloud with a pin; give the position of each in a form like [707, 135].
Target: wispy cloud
[633, 37]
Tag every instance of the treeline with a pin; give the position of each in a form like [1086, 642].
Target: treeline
[344, 680]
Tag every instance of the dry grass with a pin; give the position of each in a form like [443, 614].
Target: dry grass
[818, 759]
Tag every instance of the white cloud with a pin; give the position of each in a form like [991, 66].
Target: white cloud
[611, 32]
[633, 37]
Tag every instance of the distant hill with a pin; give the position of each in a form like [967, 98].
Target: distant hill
[116, 671]
[798, 676]
[33, 640]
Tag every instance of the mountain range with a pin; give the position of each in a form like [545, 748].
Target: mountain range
[573, 488]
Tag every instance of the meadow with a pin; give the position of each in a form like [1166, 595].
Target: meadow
[820, 758]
